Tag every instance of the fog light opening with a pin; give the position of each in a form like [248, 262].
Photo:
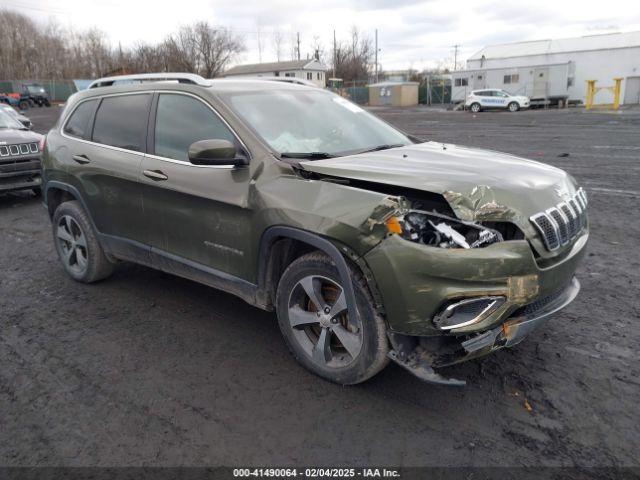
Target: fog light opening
[466, 312]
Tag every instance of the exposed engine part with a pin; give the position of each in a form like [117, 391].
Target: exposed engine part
[441, 231]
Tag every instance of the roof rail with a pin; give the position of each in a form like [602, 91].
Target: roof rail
[150, 77]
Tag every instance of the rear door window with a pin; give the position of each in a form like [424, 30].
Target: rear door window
[182, 120]
[78, 124]
[121, 121]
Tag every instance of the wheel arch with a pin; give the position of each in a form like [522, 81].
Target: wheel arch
[280, 245]
[56, 193]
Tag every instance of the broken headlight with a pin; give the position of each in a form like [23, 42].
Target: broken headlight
[441, 231]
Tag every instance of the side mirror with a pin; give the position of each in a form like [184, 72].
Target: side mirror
[216, 152]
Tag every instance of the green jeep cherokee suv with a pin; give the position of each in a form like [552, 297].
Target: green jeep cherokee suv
[368, 244]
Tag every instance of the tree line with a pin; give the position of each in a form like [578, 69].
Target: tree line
[29, 49]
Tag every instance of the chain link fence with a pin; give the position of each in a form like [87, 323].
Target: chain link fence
[58, 90]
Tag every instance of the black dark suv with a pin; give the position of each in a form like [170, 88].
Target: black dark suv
[20, 156]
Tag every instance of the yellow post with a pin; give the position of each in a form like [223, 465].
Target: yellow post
[591, 91]
[616, 92]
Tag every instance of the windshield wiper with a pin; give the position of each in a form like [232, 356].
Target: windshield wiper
[381, 147]
[307, 155]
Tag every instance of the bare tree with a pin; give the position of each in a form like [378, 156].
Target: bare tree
[278, 40]
[30, 50]
[353, 59]
[317, 49]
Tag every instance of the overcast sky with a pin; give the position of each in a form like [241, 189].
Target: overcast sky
[411, 33]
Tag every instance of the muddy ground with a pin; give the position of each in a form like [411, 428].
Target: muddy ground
[149, 369]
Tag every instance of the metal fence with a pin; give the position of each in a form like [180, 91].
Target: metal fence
[58, 90]
[434, 94]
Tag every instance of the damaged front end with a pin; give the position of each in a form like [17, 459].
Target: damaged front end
[455, 289]
[422, 356]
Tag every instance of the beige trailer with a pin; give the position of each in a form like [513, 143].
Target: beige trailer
[395, 94]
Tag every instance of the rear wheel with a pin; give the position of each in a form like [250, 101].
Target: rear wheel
[77, 245]
[513, 107]
[319, 330]
[475, 107]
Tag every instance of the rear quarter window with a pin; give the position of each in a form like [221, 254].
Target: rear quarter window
[78, 124]
[121, 121]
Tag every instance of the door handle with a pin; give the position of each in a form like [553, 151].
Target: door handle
[81, 159]
[155, 175]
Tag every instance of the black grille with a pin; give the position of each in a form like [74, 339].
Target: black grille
[539, 304]
[18, 149]
[573, 203]
[19, 160]
[572, 218]
[548, 230]
[562, 223]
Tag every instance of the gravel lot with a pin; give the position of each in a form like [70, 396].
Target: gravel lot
[149, 369]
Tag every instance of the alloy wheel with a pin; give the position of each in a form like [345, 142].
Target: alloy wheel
[73, 244]
[320, 322]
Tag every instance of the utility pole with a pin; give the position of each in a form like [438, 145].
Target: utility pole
[455, 57]
[259, 46]
[298, 45]
[334, 54]
[376, 55]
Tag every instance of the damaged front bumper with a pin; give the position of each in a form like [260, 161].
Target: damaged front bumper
[420, 358]
[417, 282]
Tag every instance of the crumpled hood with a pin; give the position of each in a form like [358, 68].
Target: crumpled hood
[478, 184]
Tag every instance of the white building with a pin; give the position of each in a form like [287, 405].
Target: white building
[309, 69]
[556, 69]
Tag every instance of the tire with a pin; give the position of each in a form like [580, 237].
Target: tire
[367, 340]
[23, 105]
[37, 191]
[513, 107]
[79, 250]
[47, 103]
[475, 107]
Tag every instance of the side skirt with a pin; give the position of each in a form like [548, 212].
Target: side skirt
[136, 252]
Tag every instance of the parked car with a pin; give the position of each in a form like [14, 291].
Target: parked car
[20, 156]
[18, 116]
[37, 95]
[491, 98]
[368, 244]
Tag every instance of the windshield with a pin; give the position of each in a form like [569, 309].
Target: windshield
[312, 122]
[35, 89]
[10, 111]
[7, 121]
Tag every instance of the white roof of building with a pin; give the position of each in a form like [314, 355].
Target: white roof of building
[306, 64]
[578, 44]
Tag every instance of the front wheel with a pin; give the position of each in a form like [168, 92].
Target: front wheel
[317, 327]
[77, 245]
[513, 107]
[475, 107]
